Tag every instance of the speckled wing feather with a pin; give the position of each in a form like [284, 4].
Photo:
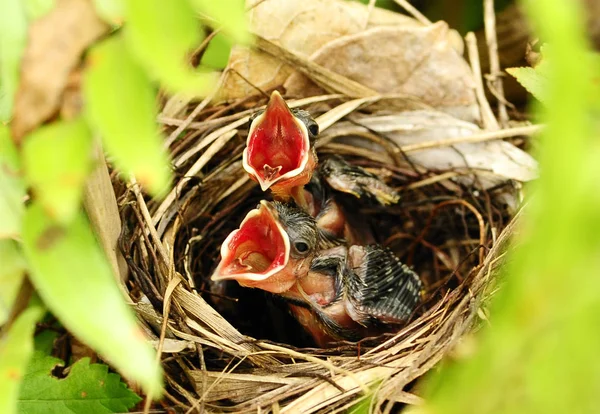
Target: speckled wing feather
[378, 287]
[351, 179]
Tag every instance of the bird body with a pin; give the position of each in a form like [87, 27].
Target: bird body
[311, 252]
[335, 290]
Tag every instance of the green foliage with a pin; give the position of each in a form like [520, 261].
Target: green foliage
[87, 389]
[112, 11]
[57, 161]
[164, 56]
[75, 281]
[229, 14]
[12, 272]
[126, 119]
[16, 347]
[12, 187]
[534, 80]
[35, 9]
[13, 37]
[540, 353]
[217, 53]
[58, 248]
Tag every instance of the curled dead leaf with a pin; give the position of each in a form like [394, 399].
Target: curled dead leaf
[417, 61]
[56, 42]
[301, 27]
[484, 164]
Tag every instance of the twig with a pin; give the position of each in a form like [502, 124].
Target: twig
[487, 116]
[412, 10]
[166, 308]
[479, 137]
[148, 219]
[492, 43]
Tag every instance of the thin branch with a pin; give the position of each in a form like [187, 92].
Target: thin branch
[487, 116]
[492, 43]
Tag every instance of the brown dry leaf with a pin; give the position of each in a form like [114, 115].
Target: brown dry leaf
[56, 42]
[302, 27]
[100, 204]
[417, 61]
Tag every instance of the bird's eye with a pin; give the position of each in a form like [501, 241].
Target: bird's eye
[301, 247]
[313, 129]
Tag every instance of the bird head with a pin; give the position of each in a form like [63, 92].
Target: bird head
[279, 153]
[269, 249]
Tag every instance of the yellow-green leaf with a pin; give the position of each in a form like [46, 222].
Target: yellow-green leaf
[72, 276]
[534, 80]
[12, 272]
[217, 53]
[57, 160]
[37, 8]
[13, 37]
[229, 15]
[120, 104]
[16, 347]
[112, 11]
[12, 189]
[162, 34]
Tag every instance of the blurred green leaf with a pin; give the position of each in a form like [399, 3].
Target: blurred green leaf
[16, 347]
[539, 354]
[120, 103]
[217, 52]
[57, 160]
[534, 80]
[12, 272]
[112, 11]
[87, 389]
[44, 342]
[162, 34]
[37, 8]
[13, 38]
[230, 16]
[12, 188]
[75, 281]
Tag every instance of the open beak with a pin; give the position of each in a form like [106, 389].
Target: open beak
[277, 148]
[256, 251]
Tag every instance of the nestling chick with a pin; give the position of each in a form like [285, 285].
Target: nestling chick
[335, 291]
[279, 151]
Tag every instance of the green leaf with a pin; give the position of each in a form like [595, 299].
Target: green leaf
[534, 80]
[216, 54]
[12, 272]
[75, 281]
[161, 34]
[57, 160]
[11, 187]
[539, 353]
[87, 389]
[44, 341]
[13, 38]
[16, 347]
[37, 8]
[125, 119]
[112, 11]
[229, 14]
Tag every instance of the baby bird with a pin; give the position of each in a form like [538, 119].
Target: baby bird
[279, 151]
[334, 290]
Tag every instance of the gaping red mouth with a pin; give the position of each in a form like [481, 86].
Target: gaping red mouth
[257, 250]
[277, 147]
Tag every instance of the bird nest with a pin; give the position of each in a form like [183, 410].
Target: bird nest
[227, 348]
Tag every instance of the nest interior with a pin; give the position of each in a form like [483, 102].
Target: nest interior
[229, 348]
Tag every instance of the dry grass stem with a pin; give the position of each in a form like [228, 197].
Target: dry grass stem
[495, 83]
[487, 116]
